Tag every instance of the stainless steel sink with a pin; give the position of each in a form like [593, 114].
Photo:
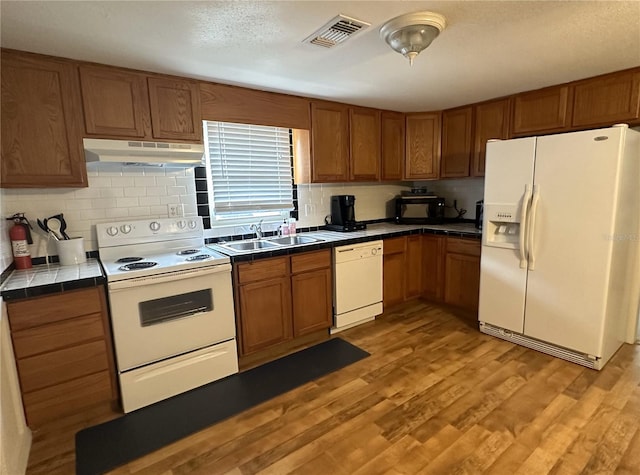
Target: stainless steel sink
[249, 245]
[293, 240]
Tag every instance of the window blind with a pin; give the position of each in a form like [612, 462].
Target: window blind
[250, 167]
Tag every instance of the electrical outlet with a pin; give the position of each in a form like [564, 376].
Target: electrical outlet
[175, 210]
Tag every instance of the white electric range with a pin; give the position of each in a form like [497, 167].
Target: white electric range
[171, 305]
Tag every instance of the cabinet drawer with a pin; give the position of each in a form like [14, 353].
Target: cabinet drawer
[58, 335]
[394, 245]
[263, 269]
[470, 247]
[41, 310]
[310, 261]
[56, 367]
[53, 402]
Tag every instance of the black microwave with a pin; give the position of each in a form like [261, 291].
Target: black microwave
[419, 210]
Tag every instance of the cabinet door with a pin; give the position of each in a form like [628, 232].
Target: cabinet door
[329, 142]
[393, 141]
[393, 271]
[265, 313]
[413, 267]
[312, 299]
[462, 281]
[491, 122]
[364, 138]
[41, 116]
[422, 159]
[175, 109]
[433, 253]
[542, 111]
[607, 100]
[116, 102]
[456, 142]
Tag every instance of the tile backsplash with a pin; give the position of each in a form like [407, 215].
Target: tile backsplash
[115, 193]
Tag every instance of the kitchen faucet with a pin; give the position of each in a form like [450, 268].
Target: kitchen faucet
[257, 228]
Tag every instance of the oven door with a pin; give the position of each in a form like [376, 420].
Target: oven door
[165, 315]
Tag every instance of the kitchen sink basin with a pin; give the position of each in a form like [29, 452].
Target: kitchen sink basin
[249, 245]
[292, 240]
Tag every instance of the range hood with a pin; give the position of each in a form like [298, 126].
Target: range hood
[140, 152]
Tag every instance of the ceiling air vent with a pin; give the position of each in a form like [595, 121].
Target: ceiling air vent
[339, 29]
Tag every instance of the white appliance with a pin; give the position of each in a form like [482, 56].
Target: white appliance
[142, 152]
[357, 284]
[560, 246]
[171, 306]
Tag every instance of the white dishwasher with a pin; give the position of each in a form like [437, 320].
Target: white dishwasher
[357, 284]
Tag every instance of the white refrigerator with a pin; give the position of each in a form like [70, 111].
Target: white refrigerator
[560, 263]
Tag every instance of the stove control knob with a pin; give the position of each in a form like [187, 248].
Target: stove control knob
[125, 228]
[182, 224]
[192, 224]
[112, 230]
[154, 226]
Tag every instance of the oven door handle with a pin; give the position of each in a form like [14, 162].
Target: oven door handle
[169, 277]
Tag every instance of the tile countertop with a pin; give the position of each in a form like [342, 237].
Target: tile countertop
[51, 278]
[333, 238]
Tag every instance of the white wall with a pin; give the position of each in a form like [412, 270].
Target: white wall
[115, 193]
[465, 190]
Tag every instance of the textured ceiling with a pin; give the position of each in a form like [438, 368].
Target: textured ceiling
[488, 49]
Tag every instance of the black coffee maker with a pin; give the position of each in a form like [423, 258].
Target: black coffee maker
[343, 214]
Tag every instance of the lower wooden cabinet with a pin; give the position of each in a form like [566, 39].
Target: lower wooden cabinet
[393, 271]
[433, 249]
[462, 273]
[62, 344]
[281, 298]
[413, 267]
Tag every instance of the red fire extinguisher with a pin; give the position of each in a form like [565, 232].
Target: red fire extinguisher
[20, 236]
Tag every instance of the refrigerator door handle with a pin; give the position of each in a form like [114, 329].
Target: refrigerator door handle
[523, 226]
[532, 226]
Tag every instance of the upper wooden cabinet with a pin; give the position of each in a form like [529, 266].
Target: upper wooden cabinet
[491, 122]
[329, 142]
[542, 111]
[126, 104]
[364, 135]
[41, 123]
[606, 100]
[422, 159]
[393, 144]
[456, 142]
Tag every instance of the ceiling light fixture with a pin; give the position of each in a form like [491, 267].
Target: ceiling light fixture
[411, 33]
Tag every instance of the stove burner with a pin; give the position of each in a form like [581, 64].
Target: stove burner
[200, 257]
[124, 260]
[138, 265]
[186, 252]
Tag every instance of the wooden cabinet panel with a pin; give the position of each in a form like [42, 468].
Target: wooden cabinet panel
[394, 245]
[544, 110]
[422, 160]
[329, 142]
[265, 309]
[393, 144]
[607, 100]
[41, 115]
[312, 300]
[262, 269]
[491, 122]
[433, 252]
[462, 281]
[470, 247]
[413, 267]
[48, 369]
[47, 338]
[116, 102]
[364, 138]
[175, 109]
[308, 261]
[38, 311]
[48, 404]
[393, 279]
[456, 142]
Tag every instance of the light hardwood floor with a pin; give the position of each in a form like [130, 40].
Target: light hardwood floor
[435, 397]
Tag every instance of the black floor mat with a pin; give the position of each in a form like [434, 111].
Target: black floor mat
[106, 446]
